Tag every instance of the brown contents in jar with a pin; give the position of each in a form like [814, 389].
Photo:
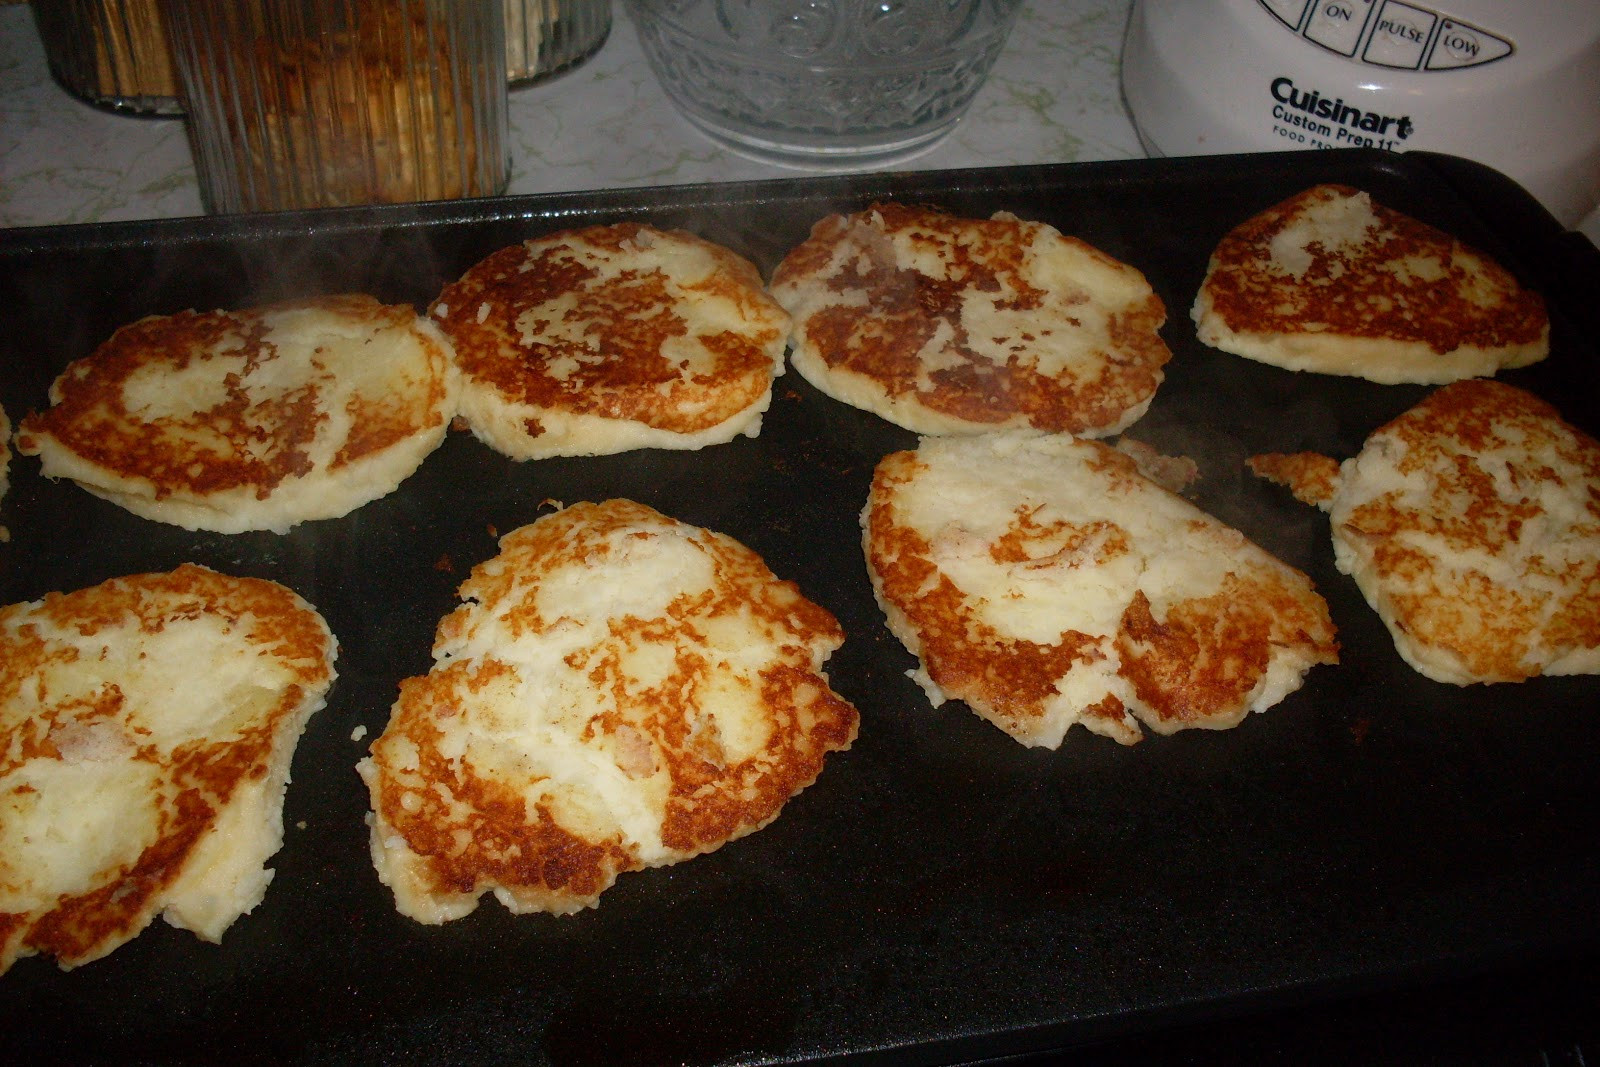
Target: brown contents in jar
[369, 103]
[110, 52]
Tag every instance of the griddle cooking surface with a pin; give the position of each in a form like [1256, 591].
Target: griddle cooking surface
[940, 891]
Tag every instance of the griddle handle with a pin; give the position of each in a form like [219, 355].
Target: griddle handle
[1567, 265]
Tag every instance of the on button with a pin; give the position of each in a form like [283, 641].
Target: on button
[1337, 24]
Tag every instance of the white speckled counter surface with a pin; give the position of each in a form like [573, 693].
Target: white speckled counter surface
[1053, 97]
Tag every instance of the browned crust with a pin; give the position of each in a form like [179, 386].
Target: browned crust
[1199, 665]
[205, 772]
[501, 845]
[1355, 293]
[257, 442]
[905, 309]
[618, 371]
[1195, 667]
[963, 655]
[712, 798]
[1311, 477]
[1491, 627]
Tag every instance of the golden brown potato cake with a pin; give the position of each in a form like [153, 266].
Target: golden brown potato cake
[599, 340]
[146, 730]
[1333, 282]
[1046, 582]
[1471, 524]
[251, 420]
[950, 325]
[619, 690]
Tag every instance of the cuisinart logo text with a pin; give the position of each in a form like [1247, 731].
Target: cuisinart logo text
[1307, 117]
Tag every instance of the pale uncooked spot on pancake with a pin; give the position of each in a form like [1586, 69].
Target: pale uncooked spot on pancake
[1046, 582]
[1471, 524]
[251, 420]
[948, 325]
[610, 338]
[619, 690]
[1332, 282]
[147, 726]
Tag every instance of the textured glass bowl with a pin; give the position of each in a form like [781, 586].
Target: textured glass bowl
[819, 82]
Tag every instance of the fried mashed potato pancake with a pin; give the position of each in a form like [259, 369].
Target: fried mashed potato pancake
[1333, 282]
[619, 690]
[1471, 524]
[251, 420]
[1046, 582]
[949, 325]
[146, 730]
[600, 340]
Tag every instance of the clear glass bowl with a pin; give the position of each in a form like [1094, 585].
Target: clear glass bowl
[814, 82]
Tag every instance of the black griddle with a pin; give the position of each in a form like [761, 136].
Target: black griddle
[941, 893]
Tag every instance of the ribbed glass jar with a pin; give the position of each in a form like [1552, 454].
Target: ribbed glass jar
[546, 37]
[318, 103]
[111, 53]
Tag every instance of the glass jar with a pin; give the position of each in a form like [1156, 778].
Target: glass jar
[546, 37]
[317, 103]
[111, 53]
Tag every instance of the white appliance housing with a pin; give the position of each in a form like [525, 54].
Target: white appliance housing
[1515, 85]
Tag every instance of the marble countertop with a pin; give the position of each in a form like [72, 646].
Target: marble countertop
[1053, 97]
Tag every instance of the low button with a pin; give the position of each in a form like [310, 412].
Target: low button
[1399, 36]
[1460, 45]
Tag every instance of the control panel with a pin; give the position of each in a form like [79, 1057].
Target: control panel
[1391, 34]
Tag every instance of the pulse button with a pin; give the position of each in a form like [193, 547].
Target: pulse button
[1400, 36]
